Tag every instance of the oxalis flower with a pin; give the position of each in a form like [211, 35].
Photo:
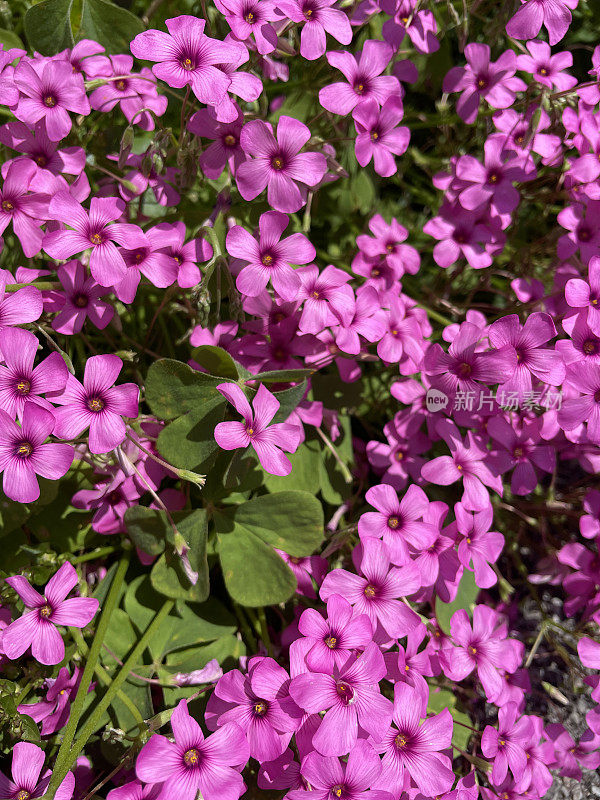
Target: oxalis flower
[27, 763]
[37, 627]
[413, 747]
[277, 164]
[93, 232]
[98, 403]
[193, 762]
[267, 440]
[351, 698]
[24, 453]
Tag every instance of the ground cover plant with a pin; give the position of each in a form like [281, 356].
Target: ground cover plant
[299, 399]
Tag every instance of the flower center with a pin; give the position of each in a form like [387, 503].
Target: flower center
[229, 140]
[370, 591]
[187, 64]
[95, 404]
[393, 522]
[314, 295]
[494, 177]
[375, 272]
[260, 708]
[46, 611]
[345, 692]
[543, 71]
[482, 82]
[191, 757]
[50, 101]
[460, 237]
[518, 452]
[399, 455]
[465, 370]
[360, 86]
[331, 642]
[24, 449]
[250, 17]
[472, 650]
[277, 162]
[23, 794]
[41, 160]
[584, 234]
[121, 85]
[401, 741]
[250, 431]
[590, 347]
[96, 238]
[7, 205]
[80, 300]
[597, 396]
[23, 386]
[336, 791]
[267, 259]
[374, 136]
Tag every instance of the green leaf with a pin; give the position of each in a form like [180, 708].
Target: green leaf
[441, 699]
[146, 528]
[189, 442]
[282, 376]
[168, 575]
[172, 388]
[29, 729]
[255, 575]
[48, 26]
[465, 599]
[9, 39]
[291, 521]
[305, 471]
[216, 361]
[114, 27]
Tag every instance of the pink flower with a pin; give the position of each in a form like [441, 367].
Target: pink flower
[49, 90]
[376, 590]
[23, 454]
[193, 762]
[36, 145]
[327, 298]
[185, 256]
[398, 522]
[259, 703]
[334, 638]
[27, 763]
[555, 15]
[364, 78]
[581, 295]
[494, 81]
[267, 440]
[93, 231]
[483, 647]
[97, 404]
[269, 258]
[252, 18]
[548, 69]
[109, 499]
[385, 249]
[532, 359]
[79, 300]
[136, 95]
[23, 208]
[378, 135]
[37, 627]
[225, 149]
[350, 780]
[412, 747]
[467, 461]
[319, 18]
[351, 699]
[187, 57]
[479, 546]
[53, 712]
[506, 744]
[277, 164]
[20, 383]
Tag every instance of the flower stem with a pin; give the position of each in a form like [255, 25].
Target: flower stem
[63, 761]
[92, 724]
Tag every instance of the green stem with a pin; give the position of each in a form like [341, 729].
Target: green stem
[63, 761]
[92, 724]
[106, 679]
[43, 286]
[100, 552]
[435, 315]
[245, 627]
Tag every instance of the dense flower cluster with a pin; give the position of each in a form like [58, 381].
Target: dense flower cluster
[353, 701]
